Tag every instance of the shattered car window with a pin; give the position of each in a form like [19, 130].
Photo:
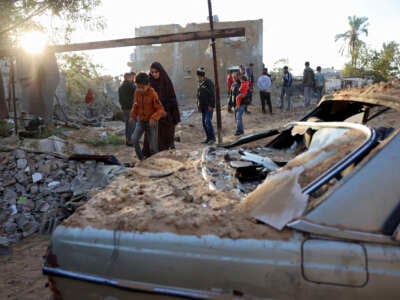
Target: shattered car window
[272, 181]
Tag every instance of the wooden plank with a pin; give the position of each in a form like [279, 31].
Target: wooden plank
[145, 40]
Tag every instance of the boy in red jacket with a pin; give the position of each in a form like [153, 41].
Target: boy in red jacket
[148, 110]
[240, 105]
[243, 90]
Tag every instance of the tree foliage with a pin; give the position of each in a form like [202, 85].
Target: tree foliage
[17, 16]
[386, 65]
[351, 38]
[382, 65]
[80, 74]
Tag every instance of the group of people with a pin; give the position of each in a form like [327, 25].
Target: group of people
[150, 107]
[312, 81]
[240, 86]
[233, 82]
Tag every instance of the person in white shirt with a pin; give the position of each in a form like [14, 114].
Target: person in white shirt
[264, 85]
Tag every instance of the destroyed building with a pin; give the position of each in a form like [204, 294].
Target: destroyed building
[181, 59]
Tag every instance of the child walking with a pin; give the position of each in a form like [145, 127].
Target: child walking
[148, 110]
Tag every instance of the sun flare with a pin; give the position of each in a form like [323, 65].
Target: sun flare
[33, 42]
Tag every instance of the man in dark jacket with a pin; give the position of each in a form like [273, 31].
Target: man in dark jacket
[206, 104]
[308, 83]
[286, 92]
[126, 93]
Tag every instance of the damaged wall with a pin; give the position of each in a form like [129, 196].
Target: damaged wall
[38, 77]
[182, 59]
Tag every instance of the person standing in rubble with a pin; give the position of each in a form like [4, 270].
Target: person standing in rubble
[229, 82]
[162, 84]
[250, 78]
[206, 104]
[234, 91]
[126, 93]
[147, 111]
[308, 83]
[264, 86]
[242, 70]
[286, 91]
[319, 83]
[240, 108]
[89, 100]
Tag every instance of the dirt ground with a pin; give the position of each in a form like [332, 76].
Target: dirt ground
[21, 277]
[20, 272]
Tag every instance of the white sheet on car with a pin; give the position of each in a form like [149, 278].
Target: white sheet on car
[322, 138]
[326, 136]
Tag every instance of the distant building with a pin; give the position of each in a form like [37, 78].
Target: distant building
[350, 82]
[181, 59]
[331, 73]
[333, 82]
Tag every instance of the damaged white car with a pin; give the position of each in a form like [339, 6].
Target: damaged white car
[314, 213]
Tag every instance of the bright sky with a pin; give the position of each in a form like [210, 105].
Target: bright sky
[297, 30]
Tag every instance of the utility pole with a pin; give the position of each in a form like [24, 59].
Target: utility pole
[217, 99]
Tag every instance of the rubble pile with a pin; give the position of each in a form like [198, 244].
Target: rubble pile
[90, 115]
[38, 191]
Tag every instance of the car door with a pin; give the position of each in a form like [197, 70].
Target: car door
[334, 262]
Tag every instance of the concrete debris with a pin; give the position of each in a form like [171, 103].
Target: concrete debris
[21, 163]
[187, 113]
[38, 191]
[19, 154]
[36, 177]
[53, 184]
[13, 210]
[52, 144]
[82, 149]
[240, 170]
[4, 242]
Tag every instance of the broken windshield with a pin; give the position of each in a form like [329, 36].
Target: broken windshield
[278, 184]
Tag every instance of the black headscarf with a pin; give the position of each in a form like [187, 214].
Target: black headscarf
[166, 92]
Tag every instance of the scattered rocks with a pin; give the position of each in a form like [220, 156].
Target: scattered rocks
[38, 191]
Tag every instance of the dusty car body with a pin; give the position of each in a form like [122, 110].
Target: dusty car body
[335, 192]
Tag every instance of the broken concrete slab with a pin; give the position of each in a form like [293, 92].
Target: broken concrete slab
[52, 144]
[82, 149]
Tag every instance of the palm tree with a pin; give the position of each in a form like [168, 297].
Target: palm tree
[351, 38]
